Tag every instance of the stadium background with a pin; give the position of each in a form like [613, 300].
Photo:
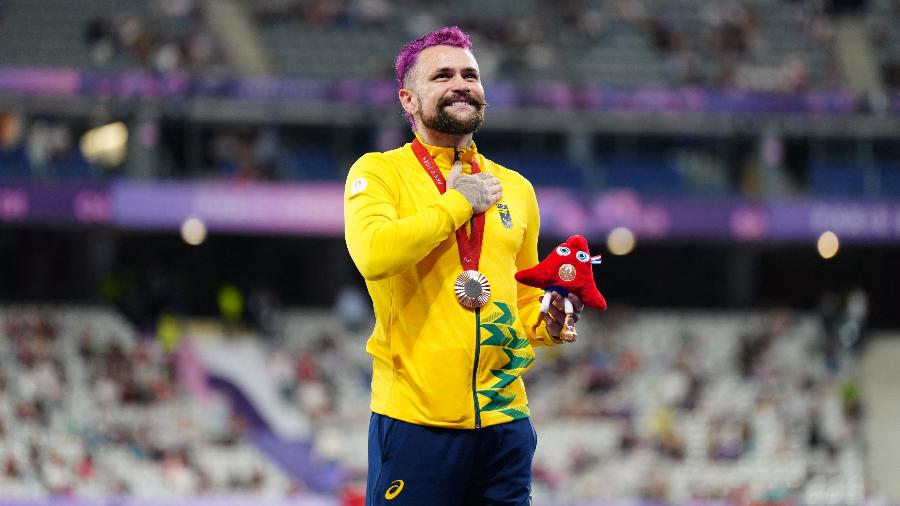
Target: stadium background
[181, 323]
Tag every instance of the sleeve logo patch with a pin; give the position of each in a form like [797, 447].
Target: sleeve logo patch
[358, 185]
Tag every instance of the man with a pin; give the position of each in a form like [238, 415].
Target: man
[438, 232]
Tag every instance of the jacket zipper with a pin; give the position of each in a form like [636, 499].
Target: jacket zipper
[475, 368]
[477, 339]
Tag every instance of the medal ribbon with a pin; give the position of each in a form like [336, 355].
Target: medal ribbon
[469, 245]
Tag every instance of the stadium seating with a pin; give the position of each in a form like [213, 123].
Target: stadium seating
[771, 45]
[605, 407]
[91, 410]
[881, 19]
[631, 45]
[623, 47]
[690, 405]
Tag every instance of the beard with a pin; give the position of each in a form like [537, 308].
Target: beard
[444, 122]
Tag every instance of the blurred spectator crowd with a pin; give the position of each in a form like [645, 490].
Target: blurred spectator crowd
[784, 45]
[161, 35]
[770, 45]
[89, 410]
[743, 408]
[664, 406]
[738, 408]
[748, 45]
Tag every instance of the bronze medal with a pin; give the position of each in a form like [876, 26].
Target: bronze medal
[472, 289]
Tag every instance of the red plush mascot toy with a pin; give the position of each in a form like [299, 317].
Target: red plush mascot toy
[567, 269]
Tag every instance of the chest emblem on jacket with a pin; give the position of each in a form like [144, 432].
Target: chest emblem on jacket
[505, 217]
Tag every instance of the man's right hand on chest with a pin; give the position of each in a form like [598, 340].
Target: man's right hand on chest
[482, 190]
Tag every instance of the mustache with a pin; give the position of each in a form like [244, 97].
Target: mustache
[469, 99]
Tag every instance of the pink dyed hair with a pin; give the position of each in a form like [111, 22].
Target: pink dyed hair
[409, 53]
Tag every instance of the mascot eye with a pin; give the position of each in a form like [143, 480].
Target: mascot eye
[563, 251]
[582, 256]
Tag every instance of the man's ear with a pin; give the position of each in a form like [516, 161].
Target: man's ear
[408, 101]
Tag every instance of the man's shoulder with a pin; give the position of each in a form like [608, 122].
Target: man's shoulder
[382, 162]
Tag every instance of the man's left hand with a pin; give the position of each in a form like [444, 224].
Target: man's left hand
[555, 318]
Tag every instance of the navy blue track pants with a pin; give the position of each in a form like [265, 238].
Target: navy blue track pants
[415, 465]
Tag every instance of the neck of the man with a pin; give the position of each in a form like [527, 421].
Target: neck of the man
[443, 140]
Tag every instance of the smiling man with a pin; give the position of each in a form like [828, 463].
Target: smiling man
[438, 231]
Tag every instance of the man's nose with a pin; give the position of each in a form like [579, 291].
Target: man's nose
[460, 83]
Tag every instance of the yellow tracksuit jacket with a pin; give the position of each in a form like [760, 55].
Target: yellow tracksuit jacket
[435, 362]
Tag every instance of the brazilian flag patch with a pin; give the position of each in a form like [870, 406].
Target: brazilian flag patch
[505, 217]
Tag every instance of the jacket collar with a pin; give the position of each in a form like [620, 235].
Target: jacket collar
[444, 156]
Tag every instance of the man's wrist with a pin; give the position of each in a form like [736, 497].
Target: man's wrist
[542, 333]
